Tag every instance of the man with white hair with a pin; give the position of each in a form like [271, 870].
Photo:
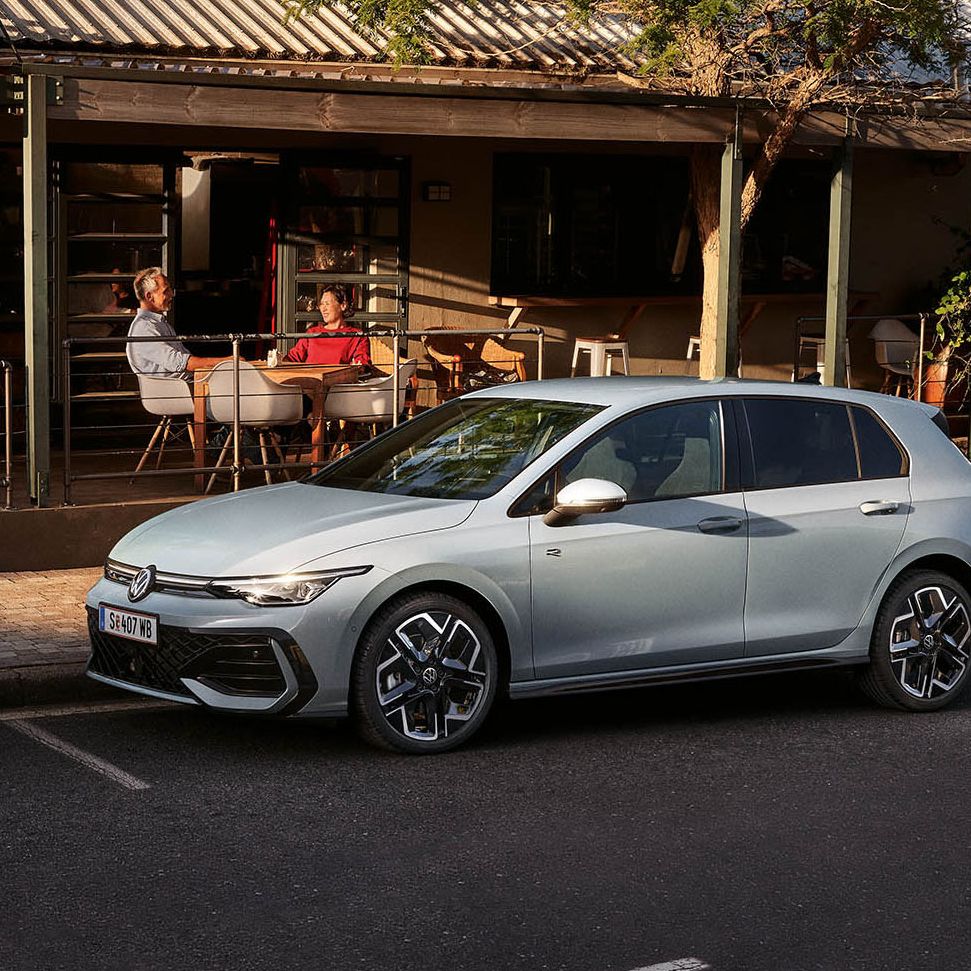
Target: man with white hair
[167, 358]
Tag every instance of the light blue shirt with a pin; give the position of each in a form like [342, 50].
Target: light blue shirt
[167, 358]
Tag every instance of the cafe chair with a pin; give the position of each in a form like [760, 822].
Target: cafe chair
[166, 398]
[602, 351]
[369, 403]
[456, 357]
[895, 347]
[263, 405]
[814, 345]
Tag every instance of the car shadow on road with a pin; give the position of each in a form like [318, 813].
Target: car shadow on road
[793, 705]
[740, 702]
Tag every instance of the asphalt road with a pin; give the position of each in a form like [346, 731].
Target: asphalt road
[768, 824]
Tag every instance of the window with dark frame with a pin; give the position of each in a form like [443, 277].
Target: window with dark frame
[604, 225]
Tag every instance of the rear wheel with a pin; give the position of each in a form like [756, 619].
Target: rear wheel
[425, 675]
[920, 651]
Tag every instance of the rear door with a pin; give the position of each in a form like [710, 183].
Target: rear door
[827, 492]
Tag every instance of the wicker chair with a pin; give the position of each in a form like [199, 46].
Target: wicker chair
[453, 355]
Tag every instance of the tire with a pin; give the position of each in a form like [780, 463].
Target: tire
[425, 675]
[920, 651]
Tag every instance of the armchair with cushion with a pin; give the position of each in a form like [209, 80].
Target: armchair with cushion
[455, 357]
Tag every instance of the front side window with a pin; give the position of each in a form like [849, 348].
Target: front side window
[661, 453]
[797, 442]
[468, 448]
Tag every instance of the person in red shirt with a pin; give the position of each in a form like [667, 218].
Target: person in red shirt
[350, 349]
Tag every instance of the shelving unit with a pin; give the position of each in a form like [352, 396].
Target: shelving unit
[11, 257]
[346, 222]
[105, 231]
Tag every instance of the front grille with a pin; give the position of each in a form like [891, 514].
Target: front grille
[242, 664]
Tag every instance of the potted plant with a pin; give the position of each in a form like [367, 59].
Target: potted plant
[947, 365]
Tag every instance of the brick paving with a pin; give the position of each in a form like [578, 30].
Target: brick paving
[42, 618]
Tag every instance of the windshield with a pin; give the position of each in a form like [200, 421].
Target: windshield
[468, 448]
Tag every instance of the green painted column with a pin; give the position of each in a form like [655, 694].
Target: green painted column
[729, 259]
[838, 266]
[36, 316]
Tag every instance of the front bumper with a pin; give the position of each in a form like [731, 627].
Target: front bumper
[255, 670]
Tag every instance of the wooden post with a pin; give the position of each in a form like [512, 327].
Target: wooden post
[838, 266]
[729, 258]
[36, 325]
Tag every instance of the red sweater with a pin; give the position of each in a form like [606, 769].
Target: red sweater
[350, 349]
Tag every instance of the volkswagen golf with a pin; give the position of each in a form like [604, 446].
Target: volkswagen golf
[560, 536]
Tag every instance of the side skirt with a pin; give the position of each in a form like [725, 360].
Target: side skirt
[630, 679]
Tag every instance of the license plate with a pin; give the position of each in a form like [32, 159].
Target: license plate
[129, 624]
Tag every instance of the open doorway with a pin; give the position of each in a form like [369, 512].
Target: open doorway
[229, 214]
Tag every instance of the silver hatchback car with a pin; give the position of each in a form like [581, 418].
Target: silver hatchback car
[561, 536]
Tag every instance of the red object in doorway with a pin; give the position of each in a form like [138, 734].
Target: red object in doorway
[267, 316]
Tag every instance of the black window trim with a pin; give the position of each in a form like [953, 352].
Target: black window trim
[730, 472]
[747, 452]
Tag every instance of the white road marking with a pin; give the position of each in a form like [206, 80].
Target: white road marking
[60, 711]
[92, 762]
[679, 964]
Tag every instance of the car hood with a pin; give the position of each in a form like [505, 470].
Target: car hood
[278, 528]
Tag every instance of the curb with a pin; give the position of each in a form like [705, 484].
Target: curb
[44, 684]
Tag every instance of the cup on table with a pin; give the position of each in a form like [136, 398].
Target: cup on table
[272, 357]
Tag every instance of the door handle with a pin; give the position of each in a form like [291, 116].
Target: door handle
[720, 524]
[879, 507]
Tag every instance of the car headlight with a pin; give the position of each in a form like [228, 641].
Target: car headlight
[284, 590]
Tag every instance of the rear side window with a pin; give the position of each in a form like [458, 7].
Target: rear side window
[798, 442]
[880, 456]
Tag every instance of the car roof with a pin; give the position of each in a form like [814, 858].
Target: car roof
[628, 392]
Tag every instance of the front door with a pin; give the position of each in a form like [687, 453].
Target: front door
[661, 581]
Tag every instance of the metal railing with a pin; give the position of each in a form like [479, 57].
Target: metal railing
[920, 318]
[6, 482]
[243, 404]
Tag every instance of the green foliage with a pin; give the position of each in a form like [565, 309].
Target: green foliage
[406, 23]
[953, 310]
[705, 45]
[954, 315]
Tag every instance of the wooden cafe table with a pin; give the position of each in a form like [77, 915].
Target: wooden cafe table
[312, 379]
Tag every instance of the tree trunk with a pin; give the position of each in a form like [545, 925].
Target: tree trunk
[706, 198]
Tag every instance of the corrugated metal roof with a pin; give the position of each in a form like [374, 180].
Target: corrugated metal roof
[500, 33]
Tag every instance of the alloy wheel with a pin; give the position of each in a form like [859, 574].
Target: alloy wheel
[432, 675]
[929, 642]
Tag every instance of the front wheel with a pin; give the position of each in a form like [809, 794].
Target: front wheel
[919, 651]
[425, 675]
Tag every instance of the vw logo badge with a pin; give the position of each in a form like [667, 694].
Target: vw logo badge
[429, 676]
[928, 642]
[141, 584]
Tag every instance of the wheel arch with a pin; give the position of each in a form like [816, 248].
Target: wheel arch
[469, 595]
[947, 563]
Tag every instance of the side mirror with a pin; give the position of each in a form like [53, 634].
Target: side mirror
[583, 497]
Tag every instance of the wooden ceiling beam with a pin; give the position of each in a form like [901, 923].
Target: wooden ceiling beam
[136, 102]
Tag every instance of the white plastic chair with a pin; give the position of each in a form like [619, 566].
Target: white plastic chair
[368, 402]
[263, 404]
[895, 347]
[168, 398]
